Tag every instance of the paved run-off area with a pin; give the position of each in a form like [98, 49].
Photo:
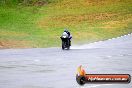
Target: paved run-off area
[55, 68]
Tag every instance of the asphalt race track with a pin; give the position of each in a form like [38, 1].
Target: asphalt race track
[55, 68]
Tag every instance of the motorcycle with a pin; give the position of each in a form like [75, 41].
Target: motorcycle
[65, 41]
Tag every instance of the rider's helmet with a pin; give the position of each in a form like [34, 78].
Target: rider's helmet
[65, 30]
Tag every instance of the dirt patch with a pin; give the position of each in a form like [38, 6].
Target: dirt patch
[75, 19]
[84, 3]
[14, 44]
[83, 17]
[118, 23]
[12, 33]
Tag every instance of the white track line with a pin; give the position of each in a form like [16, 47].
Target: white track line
[78, 47]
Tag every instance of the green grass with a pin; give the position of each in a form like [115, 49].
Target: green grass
[31, 26]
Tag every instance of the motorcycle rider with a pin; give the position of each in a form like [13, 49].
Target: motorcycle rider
[69, 35]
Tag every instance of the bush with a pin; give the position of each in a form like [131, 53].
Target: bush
[26, 2]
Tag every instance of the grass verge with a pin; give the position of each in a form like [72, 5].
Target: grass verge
[88, 20]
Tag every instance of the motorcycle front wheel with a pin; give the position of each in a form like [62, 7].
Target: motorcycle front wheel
[63, 45]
